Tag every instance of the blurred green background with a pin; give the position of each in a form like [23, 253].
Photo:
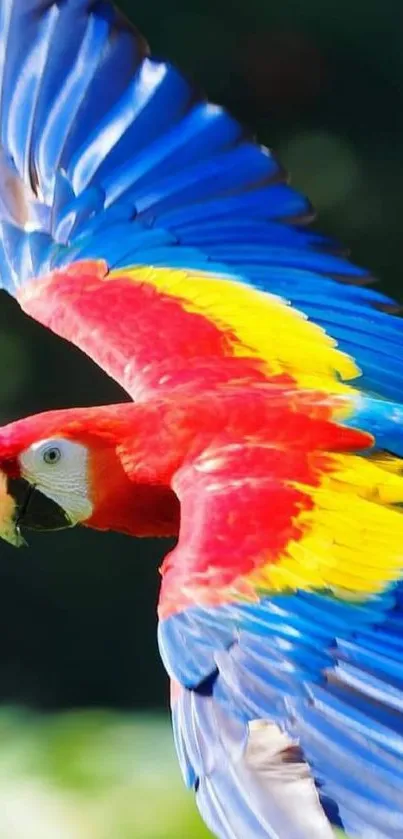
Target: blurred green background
[321, 83]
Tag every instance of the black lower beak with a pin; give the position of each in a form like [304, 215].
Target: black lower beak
[34, 510]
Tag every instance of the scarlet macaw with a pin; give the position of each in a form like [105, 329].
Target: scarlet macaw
[144, 225]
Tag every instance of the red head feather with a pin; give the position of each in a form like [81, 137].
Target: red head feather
[142, 506]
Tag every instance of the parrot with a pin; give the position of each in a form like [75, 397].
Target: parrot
[263, 429]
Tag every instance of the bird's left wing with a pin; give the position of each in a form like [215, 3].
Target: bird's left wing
[280, 623]
[120, 170]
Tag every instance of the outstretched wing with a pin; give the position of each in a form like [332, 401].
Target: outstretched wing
[281, 624]
[121, 171]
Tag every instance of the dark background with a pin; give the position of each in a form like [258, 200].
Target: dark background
[321, 82]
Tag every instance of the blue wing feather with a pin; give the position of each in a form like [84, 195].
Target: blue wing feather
[294, 659]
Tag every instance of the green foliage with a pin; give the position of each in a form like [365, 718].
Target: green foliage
[92, 775]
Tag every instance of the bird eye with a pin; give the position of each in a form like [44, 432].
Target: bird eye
[52, 455]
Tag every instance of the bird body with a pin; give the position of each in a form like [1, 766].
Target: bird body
[144, 225]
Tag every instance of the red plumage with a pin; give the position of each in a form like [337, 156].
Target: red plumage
[143, 456]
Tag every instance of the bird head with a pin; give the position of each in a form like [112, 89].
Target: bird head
[64, 468]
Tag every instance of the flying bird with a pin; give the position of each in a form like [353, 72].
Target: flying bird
[146, 226]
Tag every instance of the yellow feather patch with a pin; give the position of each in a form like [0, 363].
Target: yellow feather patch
[353, 541]
[262, 325]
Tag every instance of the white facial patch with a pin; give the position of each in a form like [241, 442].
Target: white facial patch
[58, 468]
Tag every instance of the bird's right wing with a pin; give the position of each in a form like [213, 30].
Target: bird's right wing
[120, 166]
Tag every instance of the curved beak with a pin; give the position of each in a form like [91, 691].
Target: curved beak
[22, 505]
[9, 530]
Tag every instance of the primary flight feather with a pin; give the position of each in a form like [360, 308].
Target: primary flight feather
[144, 225]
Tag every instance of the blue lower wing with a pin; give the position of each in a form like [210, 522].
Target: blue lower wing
[119, 157]
[328, 673]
